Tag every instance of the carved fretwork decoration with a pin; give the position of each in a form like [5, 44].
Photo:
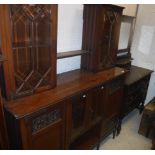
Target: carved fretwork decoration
[31, 28]
[44, 120]
[110, 18]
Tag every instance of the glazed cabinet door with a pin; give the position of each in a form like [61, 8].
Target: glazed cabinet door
[78, 113]
[29, 34]
[86, 110]
[45, 130]
[108, 21]
[101, 28]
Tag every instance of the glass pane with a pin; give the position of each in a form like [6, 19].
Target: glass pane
[124, 35]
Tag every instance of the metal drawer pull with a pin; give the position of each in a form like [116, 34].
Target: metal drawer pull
[102, 87]
[84, 96]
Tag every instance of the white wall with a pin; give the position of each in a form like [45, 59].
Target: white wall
[143, 47]
[130, 9]
[70, 23]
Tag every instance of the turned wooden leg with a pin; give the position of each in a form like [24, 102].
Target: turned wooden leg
[119, 127]
[98, 146]
[114, 133]
[141, 108]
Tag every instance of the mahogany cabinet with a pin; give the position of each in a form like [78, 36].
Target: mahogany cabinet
[101, 28]
[29, 44]
[70, 116]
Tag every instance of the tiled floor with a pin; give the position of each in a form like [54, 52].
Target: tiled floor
[129, 139]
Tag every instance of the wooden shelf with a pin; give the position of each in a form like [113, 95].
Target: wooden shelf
[88, 140]
[62, 55]
[86, 144]
[124, 61]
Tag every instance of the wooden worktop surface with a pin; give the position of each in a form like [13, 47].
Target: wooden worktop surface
[68, 84]
[135, 74]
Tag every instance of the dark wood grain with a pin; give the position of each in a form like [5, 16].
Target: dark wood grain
[62, 55]
[87, 98]
[3, 131]
[136, 73]
[68, 84]
[101, 29]
[4, 144]
[29, 43]
[135, 90]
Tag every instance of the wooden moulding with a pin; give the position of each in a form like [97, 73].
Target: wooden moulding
[62, 55]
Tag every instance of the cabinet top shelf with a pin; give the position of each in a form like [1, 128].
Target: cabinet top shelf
[68, 84]
[62, 55]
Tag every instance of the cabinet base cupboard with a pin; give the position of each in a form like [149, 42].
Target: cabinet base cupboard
[83, 109]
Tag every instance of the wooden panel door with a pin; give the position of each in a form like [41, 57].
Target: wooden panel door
[45, 130]
[113, 105]
[109, 21]
[78, 113]
[95, 104]
[86, 110]
[29, 34]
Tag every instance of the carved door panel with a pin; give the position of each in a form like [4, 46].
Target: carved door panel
[46, 129]
[32, 52]
[108, 34]
[113, 105]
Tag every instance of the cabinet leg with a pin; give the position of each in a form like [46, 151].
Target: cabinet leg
[141, 108]
[114, 133]
[119, 127]
[98, 146]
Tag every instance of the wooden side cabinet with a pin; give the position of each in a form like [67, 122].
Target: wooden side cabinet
[44, 129]
[101, 29]
[29, 44]
[135, 90]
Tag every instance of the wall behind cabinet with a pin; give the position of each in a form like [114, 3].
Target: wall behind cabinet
[143, 46]
[70, 23]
